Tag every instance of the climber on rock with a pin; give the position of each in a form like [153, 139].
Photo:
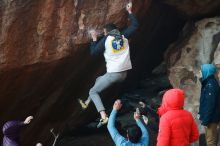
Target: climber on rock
[11, 131]
[116, 51]
[137, 135]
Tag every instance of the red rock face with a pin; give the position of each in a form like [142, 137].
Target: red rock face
[44, 31]
[35, 31]
[45, 63]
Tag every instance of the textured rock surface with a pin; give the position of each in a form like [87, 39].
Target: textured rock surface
[197, 45]
[35, 31]
[45, 63]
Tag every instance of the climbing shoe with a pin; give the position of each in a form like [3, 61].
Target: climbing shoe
[82, 104]
[102, 122]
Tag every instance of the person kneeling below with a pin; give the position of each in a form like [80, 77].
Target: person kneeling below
[136, 135]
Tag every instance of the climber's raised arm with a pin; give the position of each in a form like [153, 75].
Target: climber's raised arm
[129, 31]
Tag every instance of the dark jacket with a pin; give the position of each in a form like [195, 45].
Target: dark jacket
[11, 131]
[209, 109]
[98, 47]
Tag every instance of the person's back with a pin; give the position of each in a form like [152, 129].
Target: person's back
[134, 136]
[177, 126]
[180, 123]
[117, 54]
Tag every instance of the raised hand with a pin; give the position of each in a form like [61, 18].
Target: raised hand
[137, 116]
[117, 105]
[28, 120]
[129, 7]
[93, 34]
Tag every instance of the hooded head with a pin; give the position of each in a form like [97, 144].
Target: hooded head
[173, 99]
[207, 70]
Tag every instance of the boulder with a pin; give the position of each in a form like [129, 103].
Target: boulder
[198, 44]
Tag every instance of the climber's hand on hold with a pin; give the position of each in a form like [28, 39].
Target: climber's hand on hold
[117, 105]
[93, 35]
[129, 7]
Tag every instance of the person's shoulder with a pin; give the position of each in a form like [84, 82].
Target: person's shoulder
[212, 80]
[109, 38]
[188, 113]
[211, 83]
[125, 39]
[176, 114]
[168, 116]
[178, 117]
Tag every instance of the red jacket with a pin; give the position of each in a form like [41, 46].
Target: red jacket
[177, 126]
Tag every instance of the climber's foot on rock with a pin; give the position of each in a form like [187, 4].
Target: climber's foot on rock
[102, 122]
[83, 104]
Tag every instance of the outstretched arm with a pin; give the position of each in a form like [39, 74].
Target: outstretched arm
[11, 128]
[117, 138]
[128, 32]
[97, 47]
[134, 23]
[145, 135]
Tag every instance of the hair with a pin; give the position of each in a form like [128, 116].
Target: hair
[109, 27]
[134, 133]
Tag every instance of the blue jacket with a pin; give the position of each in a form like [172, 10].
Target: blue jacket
[98, 47]
[120, 140]
[209, 109]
